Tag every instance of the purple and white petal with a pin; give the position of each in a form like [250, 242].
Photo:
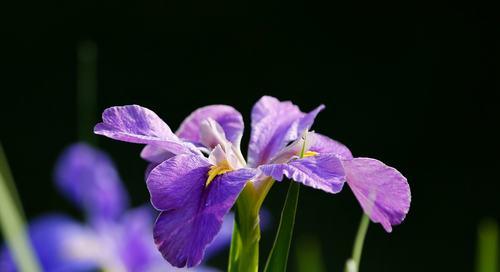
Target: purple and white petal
[324, 144]
[212, 134]
[140, 125]
[183, 231]
[324, 172]
[382, 191]
[89, 178]
[226, 116]
[274, 125]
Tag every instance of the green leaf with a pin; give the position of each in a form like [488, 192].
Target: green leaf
[278, 257]
[11, 222]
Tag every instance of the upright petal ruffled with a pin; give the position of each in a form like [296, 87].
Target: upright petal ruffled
[274, 125]
[89, 178]
[227, 117]
[324, 172]
[140, 125]
[382, 191]
[192, 213]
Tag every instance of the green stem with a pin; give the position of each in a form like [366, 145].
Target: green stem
[359, 241]
[244, 251]
[12, 225]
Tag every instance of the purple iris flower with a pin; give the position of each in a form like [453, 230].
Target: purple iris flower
[114, 239]
[197, 173]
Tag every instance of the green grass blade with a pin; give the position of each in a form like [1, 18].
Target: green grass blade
[278, 258]
[12, 226]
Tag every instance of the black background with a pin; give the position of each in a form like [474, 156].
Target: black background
[413, 85]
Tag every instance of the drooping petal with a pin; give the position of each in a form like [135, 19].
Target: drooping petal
[89, 178]
[274, 124]
[140, 125]
[226, 116]
[324, 172]
[174, 183]
[382, 191]
[192, 212]
[51, 237]
[323, 144]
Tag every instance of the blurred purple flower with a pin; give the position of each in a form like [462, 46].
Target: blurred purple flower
[114, 239]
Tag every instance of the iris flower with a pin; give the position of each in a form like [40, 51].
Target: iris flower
[197, 173]
[114, 238]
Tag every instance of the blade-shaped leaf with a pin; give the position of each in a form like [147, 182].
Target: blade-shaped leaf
[278, 257]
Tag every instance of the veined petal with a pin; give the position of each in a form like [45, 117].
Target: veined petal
[187, 226]
[140, 125]
[274, 124]
[324, 172]
[226, 116]
[177, 181]
[89, 178]
[382, 191]
[323, 144]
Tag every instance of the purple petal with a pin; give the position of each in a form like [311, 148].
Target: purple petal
[193, 213]
[51, 237]
[175, 181]
[381, 190]
[323, 144]
[140, 125]
[228, 118]
[89, 178]
[155, 154]
[223, 238]
[274, 125]
[324, 172]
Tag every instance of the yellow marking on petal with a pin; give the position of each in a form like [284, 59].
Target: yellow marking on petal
[216, 170]
[310, 154]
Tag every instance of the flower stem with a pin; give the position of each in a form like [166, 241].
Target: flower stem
[12, 224]
[353, 264]
[244, 252]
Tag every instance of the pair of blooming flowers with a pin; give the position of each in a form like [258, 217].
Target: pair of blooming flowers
[196, 174]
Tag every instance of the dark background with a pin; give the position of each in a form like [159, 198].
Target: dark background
[413, 85]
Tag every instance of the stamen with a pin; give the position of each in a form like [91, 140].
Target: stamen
[310, 154]
[216, 170]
